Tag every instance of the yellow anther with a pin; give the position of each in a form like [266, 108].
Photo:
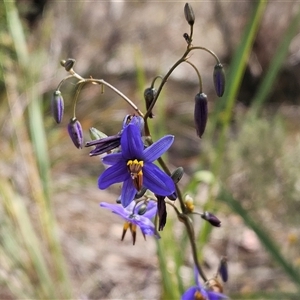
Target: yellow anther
[136, 173]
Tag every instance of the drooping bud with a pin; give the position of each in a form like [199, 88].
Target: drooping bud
[149, 95]
[212, 219]
[200, 113]
[223, 269]
[96, 134]
[69, 64]
[219, 79]
[177, 174]
[75, 132]
[57, 106]
[187, 38]
[189, 14]
[142, 209]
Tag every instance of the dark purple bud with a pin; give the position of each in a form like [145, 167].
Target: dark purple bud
[187, 38]
[69, 64]
[212, 219]
[200, 113]
[149, 95]
[189, 14]
[219, 79]
[75, 132]
[57, 106]
[161, 212]
[223, 269]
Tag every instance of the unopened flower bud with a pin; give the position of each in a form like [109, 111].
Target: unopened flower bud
[187, 38]
[75, 132]
[57, 106]
[177, 174]
[69, 64]
[96, 134]
[149, 95]
[219, 79]
[189, 14]
[200, 113]
[223, 269]
[142, 209]
[212, 219]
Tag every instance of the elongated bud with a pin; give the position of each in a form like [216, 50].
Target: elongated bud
[57, 106]
[200, 113]
[75, 132]
[161, 212]
[96, 134]
[149, 95]
[212, 219]
[189, 14]
[219, 79]
[223, 269]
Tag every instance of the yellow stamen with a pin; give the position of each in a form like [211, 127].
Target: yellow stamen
[136, 173]
[199, 296]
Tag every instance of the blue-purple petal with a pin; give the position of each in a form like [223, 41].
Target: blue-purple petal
[128, 192]
[158, 148]
[157, 181]
[190, 293]
[131, 142]
[114, 158]
[115, 208]
[114, 174]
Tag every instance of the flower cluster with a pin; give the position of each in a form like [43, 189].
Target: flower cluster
[135, 161]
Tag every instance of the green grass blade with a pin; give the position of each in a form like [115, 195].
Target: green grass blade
[276, 63]
[262, 234]
[223, 112]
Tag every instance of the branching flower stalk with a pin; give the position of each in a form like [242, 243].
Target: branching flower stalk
[130, 155]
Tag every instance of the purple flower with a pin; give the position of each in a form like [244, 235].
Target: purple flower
[135, 216]
[135, 168]
[200, 292]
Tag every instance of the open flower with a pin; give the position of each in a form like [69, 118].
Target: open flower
[135, 216]
[135, 168]
[198, 292]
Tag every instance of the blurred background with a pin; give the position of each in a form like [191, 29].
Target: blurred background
[55, 241]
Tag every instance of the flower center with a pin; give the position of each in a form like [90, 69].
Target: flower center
[135, 168]
[199, 296]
